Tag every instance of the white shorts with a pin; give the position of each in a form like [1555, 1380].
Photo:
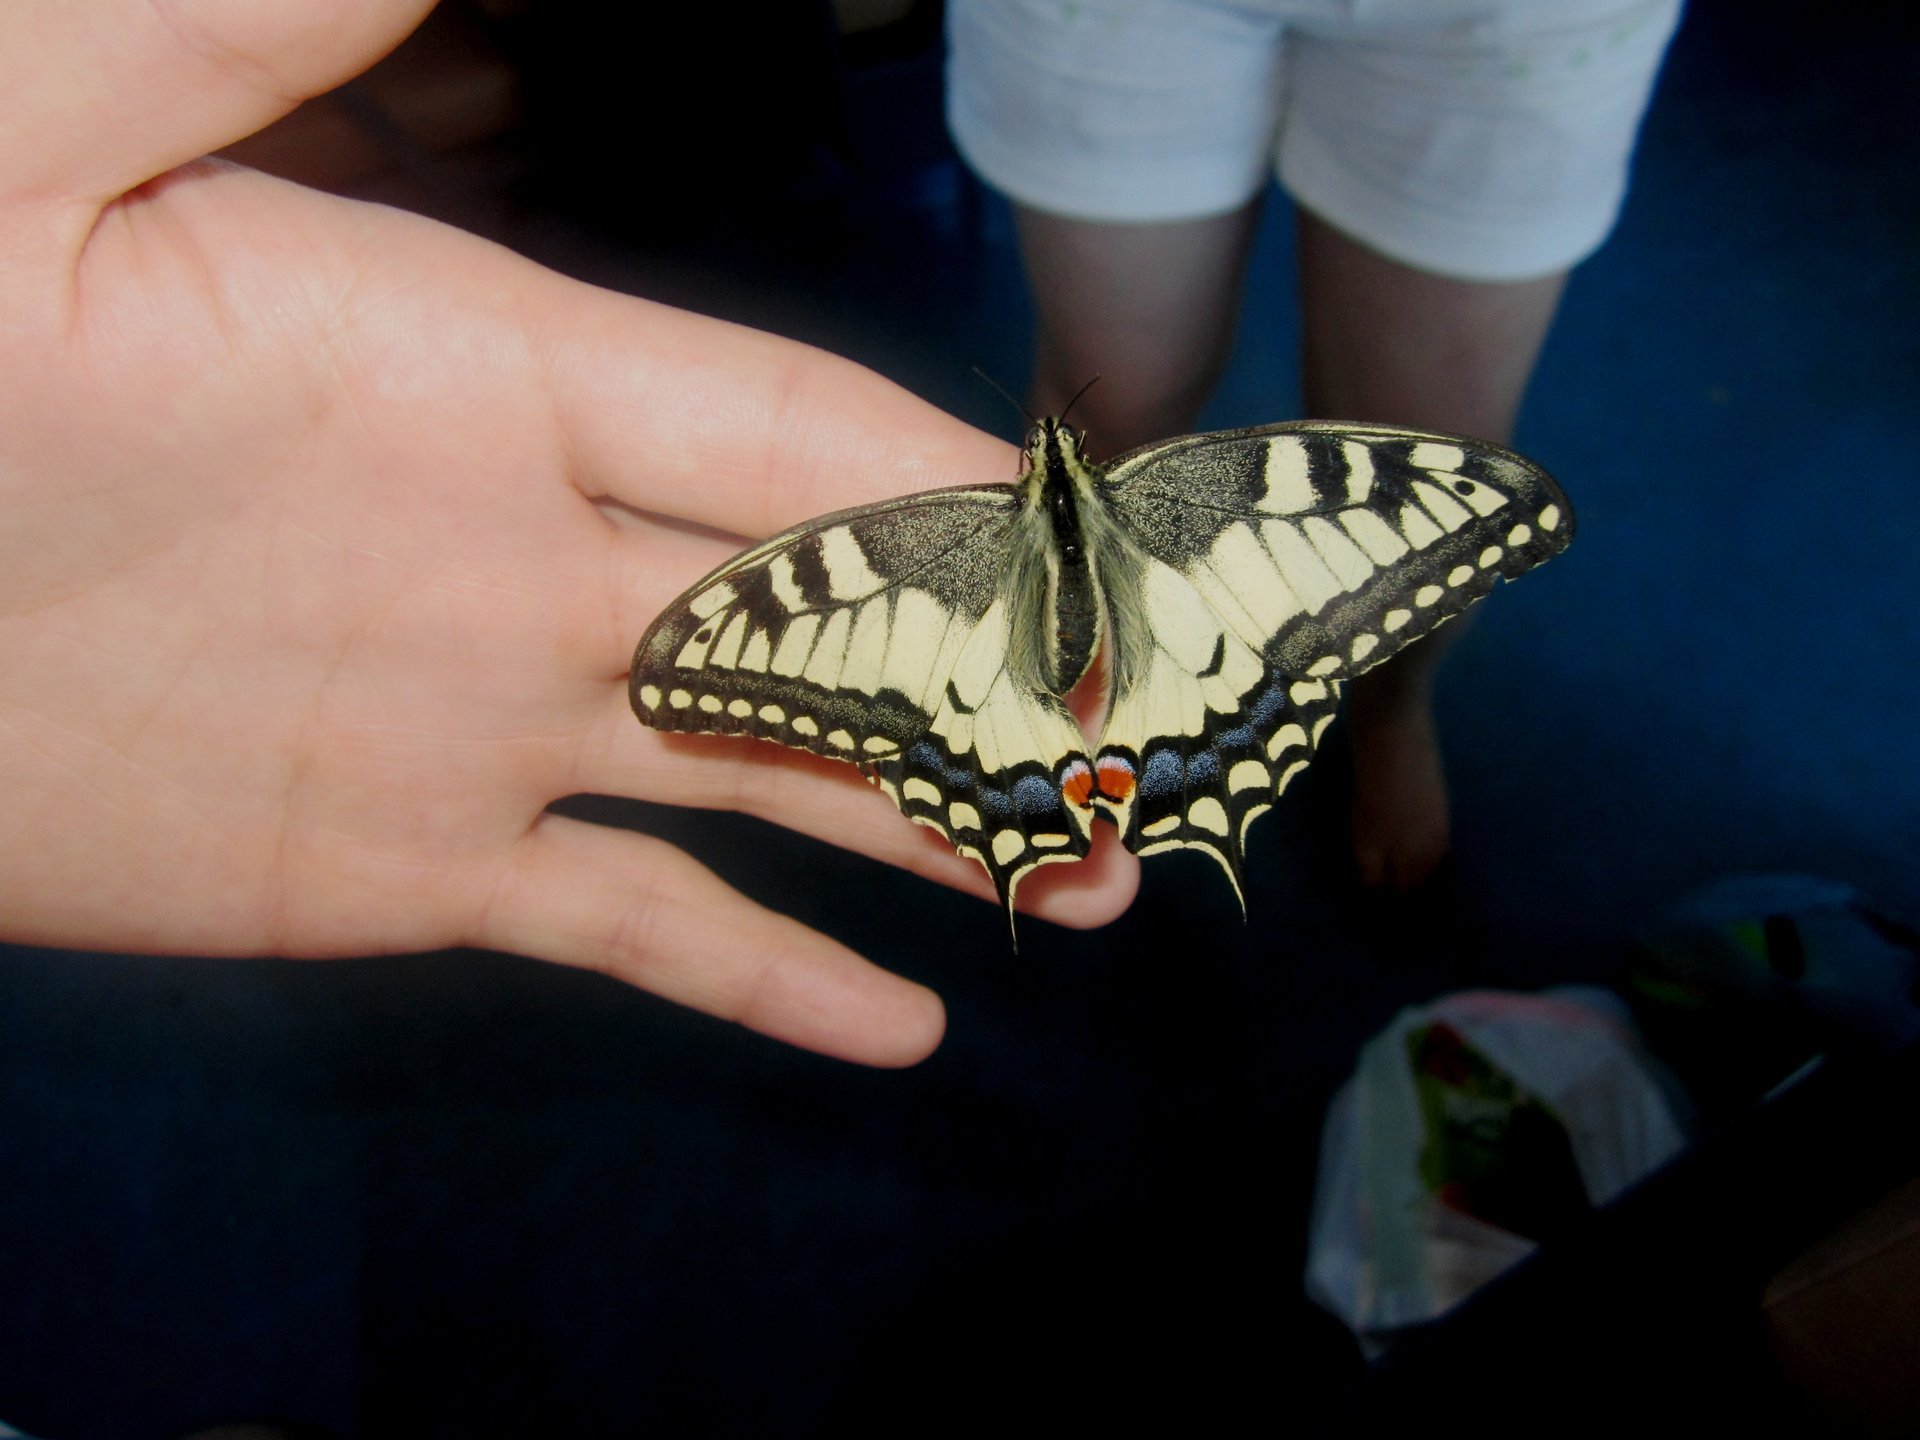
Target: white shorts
[1482, 139]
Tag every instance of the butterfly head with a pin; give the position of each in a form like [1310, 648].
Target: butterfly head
[1052, 430]
[1052, 439]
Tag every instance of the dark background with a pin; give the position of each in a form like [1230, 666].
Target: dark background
[466, 1194]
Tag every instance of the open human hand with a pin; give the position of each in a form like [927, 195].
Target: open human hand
[326, 533]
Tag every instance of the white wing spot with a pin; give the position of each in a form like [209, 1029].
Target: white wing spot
[1346, 560]
[1287, 737]
[650, 696]
[840, 739]
[913, 643]
[773, 715]
[849, 576]
[1359, 457]
[680, 699]
[1518, 536]
[726, 650]
[1165, 825]
[1241, 572]
[963, 816]
[1459, 575]
[1306, 692]
[1363, 646]
[796, 643]
[1483, 498]
[1428, 595]
[804, 725]
[1051, 841]
[867, 650]
[1374, 536]
[1207, 814]
[1394, 620]
[1419, 527]
[693, 654]
[1442, 506]
[786, 588]
[1325, 665]
[830, 651]
[1550, 518]
[925, 791]
[1489, 557]
[1300, 564]
[1429, 455]
[878, 745]
[710, 704]
[714, 597]
[758, 654]
[739, 709]
[1248, 775]
[1007, 844]
[981, 662]
[1289, 487]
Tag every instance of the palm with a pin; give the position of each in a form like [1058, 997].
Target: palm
[320, 563]
[332, 532]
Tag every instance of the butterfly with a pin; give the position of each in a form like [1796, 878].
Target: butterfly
[1230, 582]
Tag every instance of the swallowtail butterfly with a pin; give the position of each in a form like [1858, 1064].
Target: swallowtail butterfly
[1232, 581]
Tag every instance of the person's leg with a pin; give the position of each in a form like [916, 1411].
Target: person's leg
[1389, 343]
[1149, 308]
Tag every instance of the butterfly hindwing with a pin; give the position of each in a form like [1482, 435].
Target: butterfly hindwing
[1278, 563]
[879, 636]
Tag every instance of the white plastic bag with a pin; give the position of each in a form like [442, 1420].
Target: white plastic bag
[1473, 1127]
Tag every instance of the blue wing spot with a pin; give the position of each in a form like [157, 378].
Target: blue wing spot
[1035, 795]
[996, 808]
[1269, 707]
[1163, 775]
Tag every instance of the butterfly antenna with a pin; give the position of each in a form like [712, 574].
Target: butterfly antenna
[1076, 398]
[1032, 419]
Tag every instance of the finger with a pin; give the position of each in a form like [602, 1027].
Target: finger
[638, 909]
[829, 801]
[103, 97]
[691, 417]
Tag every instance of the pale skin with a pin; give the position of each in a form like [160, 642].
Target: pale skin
[1151, 309]
[326, 534]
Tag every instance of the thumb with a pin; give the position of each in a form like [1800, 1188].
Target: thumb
[104, 96]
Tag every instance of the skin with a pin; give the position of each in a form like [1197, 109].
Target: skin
[1152, 310]
[328, 535]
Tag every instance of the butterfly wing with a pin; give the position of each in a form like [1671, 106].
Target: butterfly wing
[881, 636]
[1273, 565]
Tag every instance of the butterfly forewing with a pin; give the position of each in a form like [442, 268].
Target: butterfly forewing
[1306, 553]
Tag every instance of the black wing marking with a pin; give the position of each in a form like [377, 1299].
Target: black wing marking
[1280, 562]
[878, 636]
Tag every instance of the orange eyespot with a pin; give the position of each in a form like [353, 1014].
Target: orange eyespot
[1116, 777]
[1076, 784]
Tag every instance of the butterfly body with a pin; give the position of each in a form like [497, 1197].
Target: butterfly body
[1232, 583]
